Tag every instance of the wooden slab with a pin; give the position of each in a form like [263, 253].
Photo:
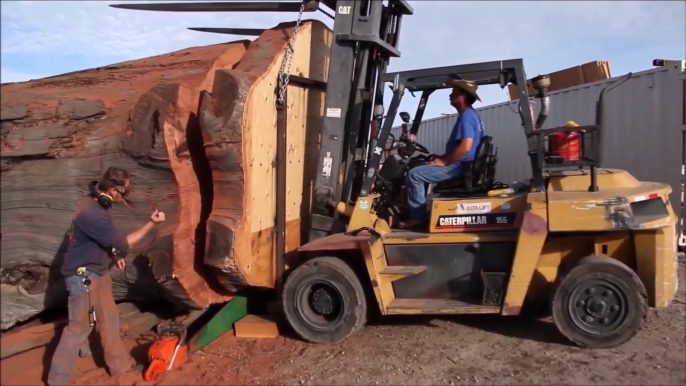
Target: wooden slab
[238, 122]
[596, 71]
[569, 77]
[254, 326]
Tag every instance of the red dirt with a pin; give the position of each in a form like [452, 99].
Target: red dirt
[420, 350]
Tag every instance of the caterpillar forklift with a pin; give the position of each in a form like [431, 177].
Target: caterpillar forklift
[594, 245]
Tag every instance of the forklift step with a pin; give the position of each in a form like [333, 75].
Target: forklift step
[438, 306]
[393, 273]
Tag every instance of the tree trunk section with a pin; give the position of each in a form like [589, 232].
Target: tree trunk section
[238, 122]
[197, 130]
[62, 132]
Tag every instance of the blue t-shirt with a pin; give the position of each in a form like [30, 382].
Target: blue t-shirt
[468, 125]
[91, 238]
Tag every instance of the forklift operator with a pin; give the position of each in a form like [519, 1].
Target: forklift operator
[95, 245]
[460, 147]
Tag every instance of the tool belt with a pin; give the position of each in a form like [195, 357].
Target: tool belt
[83, 272]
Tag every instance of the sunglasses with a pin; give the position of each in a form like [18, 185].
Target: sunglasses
[123, 191]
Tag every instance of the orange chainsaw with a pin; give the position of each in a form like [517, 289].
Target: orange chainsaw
[168, 352]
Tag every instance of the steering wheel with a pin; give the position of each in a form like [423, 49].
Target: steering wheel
[416, 146]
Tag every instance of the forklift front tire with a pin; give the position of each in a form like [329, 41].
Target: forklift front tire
[324, 301]
[599, 303]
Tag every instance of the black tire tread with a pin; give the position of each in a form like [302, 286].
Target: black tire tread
[593, 259]
[347, 272]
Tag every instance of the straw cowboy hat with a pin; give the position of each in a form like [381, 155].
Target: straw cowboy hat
[466, 85]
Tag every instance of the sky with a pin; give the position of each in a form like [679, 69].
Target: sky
[45, 38]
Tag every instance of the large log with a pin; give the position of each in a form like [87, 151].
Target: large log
[206, 159]
[59, 133]
[238, 122]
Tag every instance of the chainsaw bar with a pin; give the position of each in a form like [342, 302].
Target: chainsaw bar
[230, 31]
[232, 6]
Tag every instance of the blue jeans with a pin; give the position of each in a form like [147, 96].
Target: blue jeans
[417, 179]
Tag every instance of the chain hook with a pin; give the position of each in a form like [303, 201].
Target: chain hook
[284, 71]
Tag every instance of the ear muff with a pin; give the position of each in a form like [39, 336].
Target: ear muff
[105, 200]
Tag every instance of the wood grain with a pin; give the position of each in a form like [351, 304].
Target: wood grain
[238, 122]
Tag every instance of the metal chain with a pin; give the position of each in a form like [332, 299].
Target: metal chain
[284, 71]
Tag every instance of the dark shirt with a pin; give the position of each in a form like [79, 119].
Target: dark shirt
[91, 239]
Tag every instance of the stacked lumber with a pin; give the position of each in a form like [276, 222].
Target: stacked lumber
[196, 129]
[574, 76]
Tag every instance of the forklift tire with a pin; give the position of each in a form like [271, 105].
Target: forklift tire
[599, 302]
[324, 301]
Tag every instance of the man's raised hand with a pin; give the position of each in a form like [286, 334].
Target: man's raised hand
[157, 217]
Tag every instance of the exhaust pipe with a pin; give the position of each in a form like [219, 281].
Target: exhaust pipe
[541, 84]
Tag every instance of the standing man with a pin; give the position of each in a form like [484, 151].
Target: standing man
[461, 146]
[95, 245]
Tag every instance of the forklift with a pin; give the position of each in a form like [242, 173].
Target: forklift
[594, 246]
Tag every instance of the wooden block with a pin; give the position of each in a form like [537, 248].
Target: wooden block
[595, 71]
[566, 78]
[569, 77]
[256, 326]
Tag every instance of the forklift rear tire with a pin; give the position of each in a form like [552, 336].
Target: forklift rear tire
[599, 303]
[324, 301]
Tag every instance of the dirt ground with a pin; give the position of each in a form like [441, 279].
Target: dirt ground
[418, 351]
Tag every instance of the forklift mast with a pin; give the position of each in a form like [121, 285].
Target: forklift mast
[366, 35]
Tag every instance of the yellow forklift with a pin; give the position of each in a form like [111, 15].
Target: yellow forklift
[595, 245]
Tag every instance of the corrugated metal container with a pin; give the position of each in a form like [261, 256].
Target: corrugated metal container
[643, 126]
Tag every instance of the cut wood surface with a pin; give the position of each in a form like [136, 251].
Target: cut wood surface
[238, 122]
[197, 130]
[60, 133]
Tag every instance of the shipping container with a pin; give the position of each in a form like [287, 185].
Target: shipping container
[644, 122]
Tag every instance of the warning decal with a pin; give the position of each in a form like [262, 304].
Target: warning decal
[476, 220]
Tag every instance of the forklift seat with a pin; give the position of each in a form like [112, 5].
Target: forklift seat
[477, 176]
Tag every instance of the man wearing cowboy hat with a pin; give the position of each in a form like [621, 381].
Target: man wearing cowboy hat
[461, 146]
